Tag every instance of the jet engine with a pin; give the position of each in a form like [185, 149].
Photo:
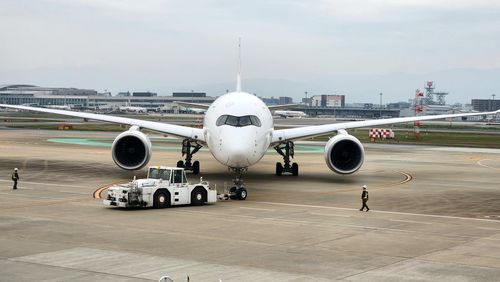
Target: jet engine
[344, 153]
[131, 149]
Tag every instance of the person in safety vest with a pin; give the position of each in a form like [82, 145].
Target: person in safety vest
[364, 198]
[15, 178]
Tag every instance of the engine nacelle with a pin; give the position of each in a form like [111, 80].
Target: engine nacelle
[131, 149]
[344, 153]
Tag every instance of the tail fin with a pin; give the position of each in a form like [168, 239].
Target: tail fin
[238, 77]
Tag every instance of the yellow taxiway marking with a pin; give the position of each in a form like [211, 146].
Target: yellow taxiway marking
[97, 193]
[475, 158]
[408, 178]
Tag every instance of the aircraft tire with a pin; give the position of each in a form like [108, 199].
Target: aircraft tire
[279, 169]
[295, 169]
[232, 193]
[196, 167]
[242, 194]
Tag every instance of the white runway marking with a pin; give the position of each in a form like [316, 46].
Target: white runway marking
[20, 188]
[410, 221]
[325, 214]
[152, 267]
[386, 212]
[257, 209]
[73, 192]
[488, 228]
[28, 196]
[47, 184]
[486, 166]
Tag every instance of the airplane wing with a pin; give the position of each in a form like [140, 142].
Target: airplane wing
[177, 130]
[193, 105]
[282, 107]
[310, 131]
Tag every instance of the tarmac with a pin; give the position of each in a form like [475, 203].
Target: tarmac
[435, 216]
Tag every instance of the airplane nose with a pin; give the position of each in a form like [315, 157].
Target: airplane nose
[238, 153]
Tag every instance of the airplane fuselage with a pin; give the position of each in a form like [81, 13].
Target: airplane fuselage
[238, 129]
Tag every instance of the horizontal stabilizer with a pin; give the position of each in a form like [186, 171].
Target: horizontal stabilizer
[283, 107]
[193, 105]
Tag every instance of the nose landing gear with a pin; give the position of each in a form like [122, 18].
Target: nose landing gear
[238, 191]
[287, 151]
[189, 148]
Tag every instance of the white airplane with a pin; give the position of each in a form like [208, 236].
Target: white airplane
[128, 108]
[238, 130]
[133, 109]
[196, 111]
[59, 107]
[285, 114]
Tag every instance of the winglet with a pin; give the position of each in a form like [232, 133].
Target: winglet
[238, 78]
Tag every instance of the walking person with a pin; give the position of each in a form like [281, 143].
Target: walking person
[364, 198]
[15, 178]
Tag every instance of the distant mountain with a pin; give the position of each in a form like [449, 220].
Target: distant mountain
[462, 84]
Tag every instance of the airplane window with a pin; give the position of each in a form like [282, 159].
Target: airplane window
[238, 121]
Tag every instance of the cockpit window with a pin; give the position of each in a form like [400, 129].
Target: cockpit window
[221, 120]
[238, 121]
[255, 121]
[245, 120]
[232, 120]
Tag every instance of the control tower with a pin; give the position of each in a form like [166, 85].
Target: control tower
[430, 94]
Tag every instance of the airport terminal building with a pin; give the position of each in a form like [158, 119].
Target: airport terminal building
[485, 105]
[22, 94]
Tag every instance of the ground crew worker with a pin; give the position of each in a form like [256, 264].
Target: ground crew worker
[364, 198]
[15, 178]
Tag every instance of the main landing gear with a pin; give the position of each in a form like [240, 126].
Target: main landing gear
[238, 191]
[189, 148]
[287, 151]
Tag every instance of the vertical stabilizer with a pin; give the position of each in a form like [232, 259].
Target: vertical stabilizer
[238, 78]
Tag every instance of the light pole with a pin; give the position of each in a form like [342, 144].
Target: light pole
[493, 105]
[380, 115]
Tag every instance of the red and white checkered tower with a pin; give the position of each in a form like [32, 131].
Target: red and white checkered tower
[419, 108]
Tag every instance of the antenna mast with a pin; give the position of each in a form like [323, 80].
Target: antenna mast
[238, 78]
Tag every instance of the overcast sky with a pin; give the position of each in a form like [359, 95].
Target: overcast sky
[352, 47]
